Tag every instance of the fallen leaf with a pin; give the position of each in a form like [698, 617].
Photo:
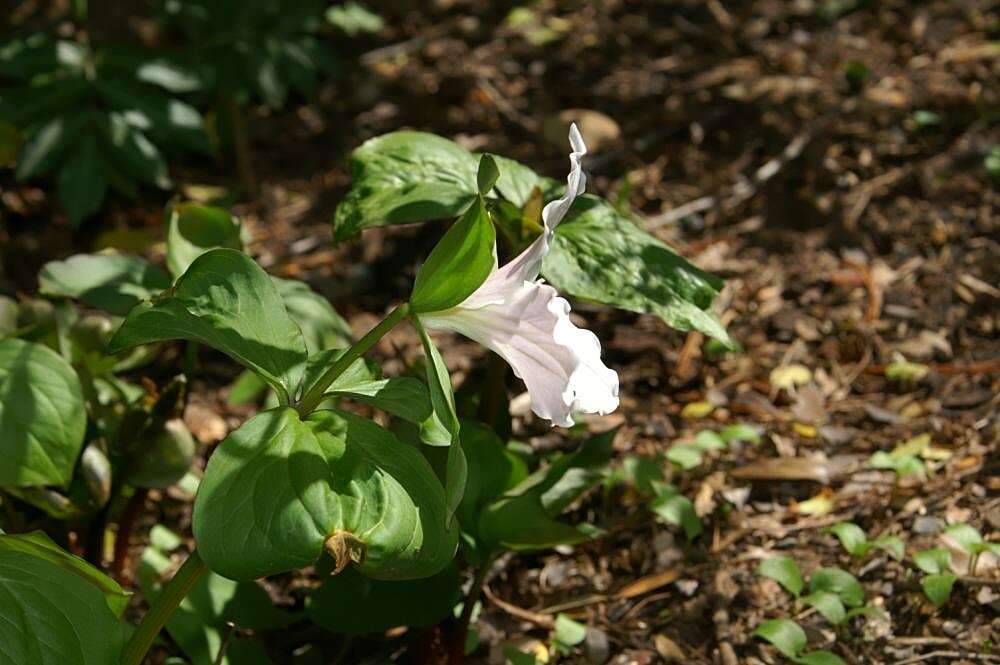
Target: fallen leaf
[789, 376]
[697, 410]
[819, 505]
[668, 649]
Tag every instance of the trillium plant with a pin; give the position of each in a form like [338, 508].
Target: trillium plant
[387, 512]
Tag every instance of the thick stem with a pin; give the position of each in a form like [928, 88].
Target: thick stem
[315, 395]
[457, 652]
[242, 149]
[162, 608]
[491, 398]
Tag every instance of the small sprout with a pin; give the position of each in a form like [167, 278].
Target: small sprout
[685, 456]
[839, 582]
[856, 543]
[938, 582]
[783, 570]
[567, 634]
[828, 604]
[788, 377]
[856, 74]
[697, 410]
[788, 637]
[740, 433]
[908, 465]
[923, 118]
[937, 588]
[675, 508]
[707, 440]
[906, 373]
[992, 163]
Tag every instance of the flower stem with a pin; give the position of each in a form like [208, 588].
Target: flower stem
[456, 655]
[360, 348]
[162, 608]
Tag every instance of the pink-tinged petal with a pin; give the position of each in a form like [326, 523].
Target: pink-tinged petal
[526, 266]
[530, 328]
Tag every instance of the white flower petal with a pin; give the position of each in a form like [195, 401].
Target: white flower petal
[530, 329]
[528, 263]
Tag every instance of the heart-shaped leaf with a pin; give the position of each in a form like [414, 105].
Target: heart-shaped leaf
[277, 488]
[54, 607]
[224, 300]
[938, 587]
[42, 416]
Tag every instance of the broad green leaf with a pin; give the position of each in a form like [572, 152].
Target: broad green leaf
[40, 546]
[278, 487]
[81, 183]
[42, 416]
[406, 177]
[852, 537]
[783, 570]
[938, 587]
[839, 582]
[353, 18]
[567, 633]
[517, 182]
[644, 473]
[52, 611]
[819, 658]
[132, 152]
[321, 325]
[112, 282]
[933, 561]
[740, 432]
[198, 626]
[224, 300]
[458, 264]
[965, 536]
[598, 254]
[351, 604]
[828, 604]
[193, 229]
[517, 657]
[675, 508]
[786, 636]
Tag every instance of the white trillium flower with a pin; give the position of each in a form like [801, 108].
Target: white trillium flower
[522, 319]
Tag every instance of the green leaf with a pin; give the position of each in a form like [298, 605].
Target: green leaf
[517, 182]
[82, 183]
[351, 604]
[644, 473]
[819, 658]
[839, 582]
[198, 626]
[167, 120]
[892, 545]
[684, 456]
[707, 440]
[598, 254]
[852, 537]
[524, 517]
[491, 472]
[938, 587]
[783, 570]
[487, 174]
[321, 325]
[458, 264]
[353, 18]
[46, 146]
[112, 282]
[675, 508]
[740, 432]
[517, 657]
[786, 636]
[224, 300]
[828, 604]
[193, 229]
[40, 546]
[406, 177]
[278, 487]
[933, 561]
[132, 152]
[42, 416]
[567, 633]
[53, 611]
[965, 536]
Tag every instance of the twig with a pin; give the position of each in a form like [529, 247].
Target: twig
[541, 620]
[126, 523]
[947, 653]
[224, 645]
